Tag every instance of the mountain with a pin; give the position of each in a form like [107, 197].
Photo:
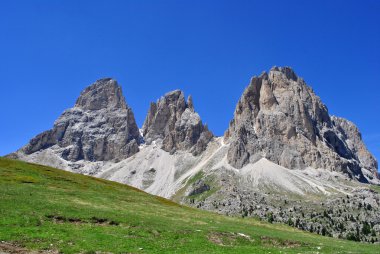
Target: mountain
[280, 118]
[283, 157]
[45, 210]
[100, 128]
[174, 122]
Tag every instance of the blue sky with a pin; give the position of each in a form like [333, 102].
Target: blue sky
[51, 50]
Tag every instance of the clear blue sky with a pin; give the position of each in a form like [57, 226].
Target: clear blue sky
[50, 50]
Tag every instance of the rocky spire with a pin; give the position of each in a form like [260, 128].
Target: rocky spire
[279, 117]
[190, 103]
[173, 121]
[101, 127]
[104, 93]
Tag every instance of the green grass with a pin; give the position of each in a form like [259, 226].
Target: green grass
[375, 188]
[181, 192]
[43, 208]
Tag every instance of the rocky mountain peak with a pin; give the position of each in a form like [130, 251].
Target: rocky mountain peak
[280, 118]
[100, 127]
[286, 71]
[104, 93]
[173, 121]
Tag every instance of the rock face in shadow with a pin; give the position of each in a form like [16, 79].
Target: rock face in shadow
[351, 135]
[173, 121]
[100, 127]
[280, 118]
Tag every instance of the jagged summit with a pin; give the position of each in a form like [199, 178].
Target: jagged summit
[104, 93]
[282, 144]
[173, 121]
[100, 127]
[286, 70]
[280, 118]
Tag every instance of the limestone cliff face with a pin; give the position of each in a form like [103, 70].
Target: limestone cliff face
[100, 127]
[353, 138]
[103, 94]
[173, 121]
[280, 118]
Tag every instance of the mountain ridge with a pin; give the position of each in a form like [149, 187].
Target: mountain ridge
[278, 117]
[281, 147]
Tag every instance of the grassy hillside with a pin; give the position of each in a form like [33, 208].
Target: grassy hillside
[43, 208]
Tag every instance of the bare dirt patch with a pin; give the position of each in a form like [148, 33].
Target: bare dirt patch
[92, 220]
[226, 238]
[63, 219]
[9, 248]
[269, 241]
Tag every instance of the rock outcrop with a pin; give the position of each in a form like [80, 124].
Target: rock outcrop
[351, 135]
[280, 118]
[100, 127]
[173, 121]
